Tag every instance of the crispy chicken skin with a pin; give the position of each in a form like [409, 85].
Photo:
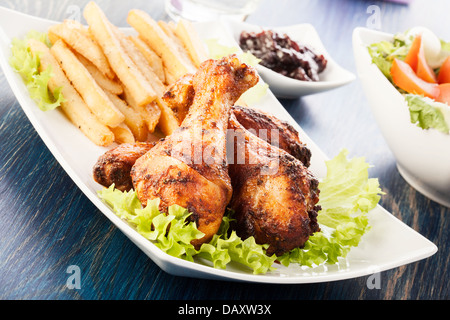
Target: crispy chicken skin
[179, 98]
[274, 195]
[114, 166]
[287, 137]
[189, 167]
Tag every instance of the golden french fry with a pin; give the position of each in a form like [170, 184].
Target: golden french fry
[74, 106]
[191, 41]
[153, 115]
[166, 28]
[78, 38]
[149, 112]
[170, 79]
[133, 119]
[139, 60]
[170, 32]
[152, 58]
[74, 24]
[159, 42]
[94, 96]
[123, 134]
[52, 37]
[120, 62]
[168, 122]
[103, 81]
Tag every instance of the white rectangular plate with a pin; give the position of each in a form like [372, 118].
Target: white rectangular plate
[389, 244]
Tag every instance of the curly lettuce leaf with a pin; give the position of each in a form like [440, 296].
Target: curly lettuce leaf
[347, 194]
[383, 53]
[427, 113]
[173, 233]
[27, 65]
[124, 204]
[226, 247]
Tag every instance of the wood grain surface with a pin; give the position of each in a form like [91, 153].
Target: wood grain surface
[47, 224]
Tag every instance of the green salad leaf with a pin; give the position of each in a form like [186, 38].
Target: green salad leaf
[347, 195]
[27, 65]
[424, 112]
[154, 225]
[173, 233]
[445, 46]
[383, 53]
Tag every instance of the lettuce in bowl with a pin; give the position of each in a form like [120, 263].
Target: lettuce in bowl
[427, 112]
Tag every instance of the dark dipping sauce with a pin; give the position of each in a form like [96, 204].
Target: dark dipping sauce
[281, 54]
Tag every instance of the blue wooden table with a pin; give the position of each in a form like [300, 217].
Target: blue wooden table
[48, 225]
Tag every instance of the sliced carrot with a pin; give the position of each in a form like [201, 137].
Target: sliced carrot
[444, 73]
[424, 71]
[416, 59]
[405, 78]
[444, 93]
[413, 53]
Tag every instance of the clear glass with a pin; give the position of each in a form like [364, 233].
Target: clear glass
[206, 10]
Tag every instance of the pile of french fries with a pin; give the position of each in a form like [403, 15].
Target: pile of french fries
[113, 83]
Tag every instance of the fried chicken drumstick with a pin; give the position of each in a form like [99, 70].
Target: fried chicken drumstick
[189, 167]
[114, 166]
[274, 195]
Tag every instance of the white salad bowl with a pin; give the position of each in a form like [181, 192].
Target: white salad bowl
[423, 156]
[334, 76]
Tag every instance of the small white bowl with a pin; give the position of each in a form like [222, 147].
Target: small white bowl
[332, 77]
[423, 156]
